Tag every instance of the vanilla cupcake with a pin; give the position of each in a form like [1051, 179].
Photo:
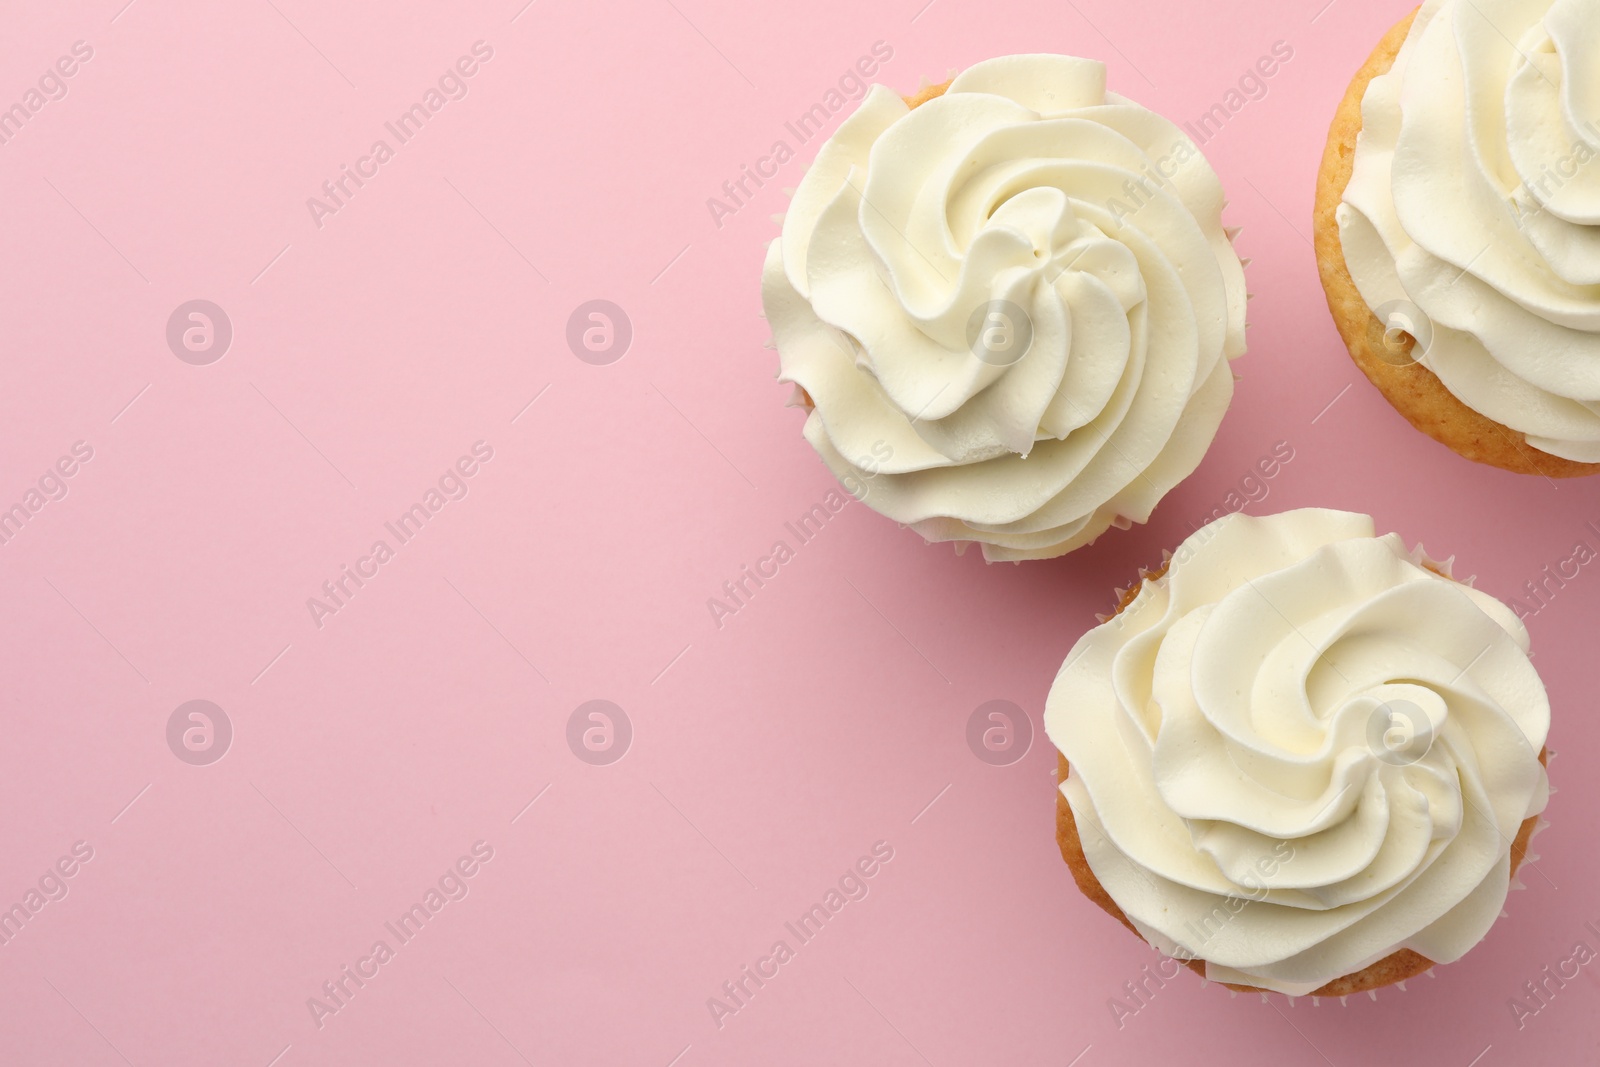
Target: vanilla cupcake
[1458, 228]
[1301, 758]
[1008, 306]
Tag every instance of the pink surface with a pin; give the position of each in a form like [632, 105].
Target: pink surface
[374, 747]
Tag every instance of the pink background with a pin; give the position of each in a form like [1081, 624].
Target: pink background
[767, 755]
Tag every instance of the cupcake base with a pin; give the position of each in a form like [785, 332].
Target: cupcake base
[926, 93]
[1411, 388]
[1398, 966]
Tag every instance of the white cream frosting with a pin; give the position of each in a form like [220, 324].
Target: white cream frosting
[1025, 182]
[1300, 750]
[1475, 196]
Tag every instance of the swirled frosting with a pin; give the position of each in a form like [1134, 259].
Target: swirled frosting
[1302, 749]
[1475, 195]
[1010, 309]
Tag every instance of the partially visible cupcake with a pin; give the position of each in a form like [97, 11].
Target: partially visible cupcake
[1301, 758]
[1009, 310]
[1458, 229]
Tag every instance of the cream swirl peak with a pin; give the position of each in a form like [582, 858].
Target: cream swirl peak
[1021, 293]
[1301, 750]
[1474, 196]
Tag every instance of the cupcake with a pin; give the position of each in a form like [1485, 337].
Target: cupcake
[1301, 758]
[1458, 229]
[1008, 306]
